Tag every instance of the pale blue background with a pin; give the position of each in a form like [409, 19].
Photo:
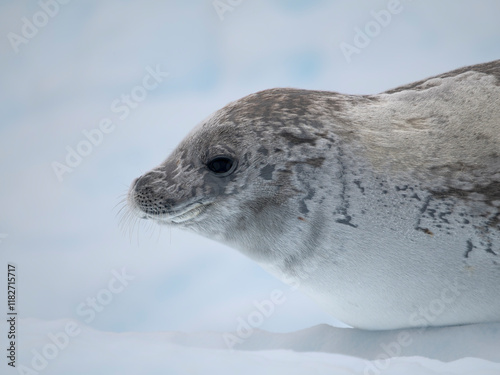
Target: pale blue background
[64, 237]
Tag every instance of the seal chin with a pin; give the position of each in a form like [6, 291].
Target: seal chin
[181, 216]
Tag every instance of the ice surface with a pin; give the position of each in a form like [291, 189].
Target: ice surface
[322, 349]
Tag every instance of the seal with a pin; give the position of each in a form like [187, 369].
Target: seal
[384, 208]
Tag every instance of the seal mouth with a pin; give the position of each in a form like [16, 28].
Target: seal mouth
[181, 216]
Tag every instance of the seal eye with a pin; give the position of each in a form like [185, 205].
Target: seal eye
[222, 165]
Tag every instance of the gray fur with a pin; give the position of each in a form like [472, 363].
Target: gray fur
[373, 204]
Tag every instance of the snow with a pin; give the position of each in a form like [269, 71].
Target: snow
[318, 350]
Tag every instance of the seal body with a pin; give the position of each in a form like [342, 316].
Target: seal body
[384, 208]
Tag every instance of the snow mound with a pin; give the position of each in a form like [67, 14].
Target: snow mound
[70, 347]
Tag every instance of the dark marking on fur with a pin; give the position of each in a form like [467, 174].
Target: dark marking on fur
[470, 247]
[442, 218]
[490, 250]
[490, 193]
[344, 204]
[426, 231]
[423, 209]
[425, 205]
[264, 151]
[494, 222]
[315, 162]
[346, 221]
[358, 184]
[267, 172]
[297, 140]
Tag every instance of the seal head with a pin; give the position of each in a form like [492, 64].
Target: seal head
[234, 176]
